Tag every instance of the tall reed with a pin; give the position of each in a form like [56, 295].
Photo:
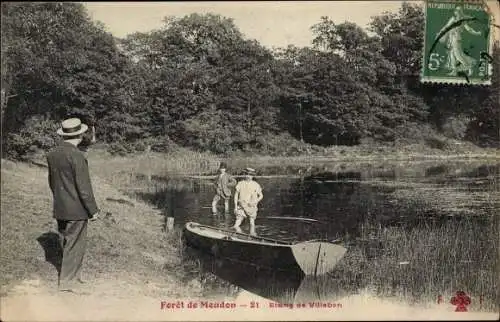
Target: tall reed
[419, 264]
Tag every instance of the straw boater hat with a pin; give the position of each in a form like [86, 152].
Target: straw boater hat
[249, 171]
[72, 127]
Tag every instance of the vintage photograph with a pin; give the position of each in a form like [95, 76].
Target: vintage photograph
[250, 160]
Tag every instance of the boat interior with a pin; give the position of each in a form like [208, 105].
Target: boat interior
[223, 234]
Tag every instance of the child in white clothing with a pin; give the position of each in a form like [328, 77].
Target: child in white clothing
[246, 199]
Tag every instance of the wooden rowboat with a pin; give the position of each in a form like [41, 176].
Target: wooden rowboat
[311, 257]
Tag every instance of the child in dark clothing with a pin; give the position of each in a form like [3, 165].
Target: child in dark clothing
[223, 185]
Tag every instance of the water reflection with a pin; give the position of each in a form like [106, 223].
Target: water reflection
[276, 286]
[341, 201]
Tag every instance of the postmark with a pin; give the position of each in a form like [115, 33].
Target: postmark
[458, 43]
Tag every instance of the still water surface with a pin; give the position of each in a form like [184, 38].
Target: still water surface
[385, 215]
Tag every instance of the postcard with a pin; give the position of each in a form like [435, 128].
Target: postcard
[250, 161]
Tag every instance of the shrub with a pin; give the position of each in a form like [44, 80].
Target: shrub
[413, 133]
[283, 144]
[160, 144]
[38, 134]
[436, 142]
[155, 144]
[455, 127]
[484, 134]
[119, 148]
[212, 132]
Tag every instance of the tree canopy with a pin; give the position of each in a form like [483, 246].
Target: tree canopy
[198, 82]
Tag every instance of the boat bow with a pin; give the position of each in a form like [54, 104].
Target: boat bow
[317, 258]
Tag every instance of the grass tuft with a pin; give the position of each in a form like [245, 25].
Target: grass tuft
[419, 264]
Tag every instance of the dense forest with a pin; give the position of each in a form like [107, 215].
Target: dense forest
[197, 82]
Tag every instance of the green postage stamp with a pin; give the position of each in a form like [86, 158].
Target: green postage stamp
[458, 43]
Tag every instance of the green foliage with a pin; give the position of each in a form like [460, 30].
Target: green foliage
[60, 64]
[484, 129]
[211, 90]
[344, 90]
[211, 131]
[282, 144]
[401, 38]
[197, 82]
[38, 133]
[456, 126]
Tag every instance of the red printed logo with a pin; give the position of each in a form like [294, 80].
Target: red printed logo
[461, 300]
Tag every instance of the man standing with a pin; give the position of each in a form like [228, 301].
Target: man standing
[74, 201]
[246, 198]
[223, 185]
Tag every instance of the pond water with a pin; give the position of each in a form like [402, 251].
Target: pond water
[414, 231]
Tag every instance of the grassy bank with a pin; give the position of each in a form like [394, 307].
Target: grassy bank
[186, 162]
[420, 264]
[127, 249]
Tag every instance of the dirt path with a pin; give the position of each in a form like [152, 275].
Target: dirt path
[110, 301]
[34, 301]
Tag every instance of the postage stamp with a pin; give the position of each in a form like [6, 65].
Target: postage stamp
[458, 43]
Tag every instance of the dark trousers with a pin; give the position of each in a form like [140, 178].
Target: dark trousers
[74, 243]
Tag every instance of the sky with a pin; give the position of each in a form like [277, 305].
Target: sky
[272, 23]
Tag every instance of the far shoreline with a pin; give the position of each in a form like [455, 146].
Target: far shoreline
[189, 163]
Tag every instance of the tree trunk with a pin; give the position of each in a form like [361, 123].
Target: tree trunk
[4, 101]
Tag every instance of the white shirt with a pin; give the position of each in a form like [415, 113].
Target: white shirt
[248, 192]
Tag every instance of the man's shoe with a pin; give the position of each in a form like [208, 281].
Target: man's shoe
[73, 291]
[66, 290]
[79, 280]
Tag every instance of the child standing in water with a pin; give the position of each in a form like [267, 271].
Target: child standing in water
[223, 185]
[246, 198]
